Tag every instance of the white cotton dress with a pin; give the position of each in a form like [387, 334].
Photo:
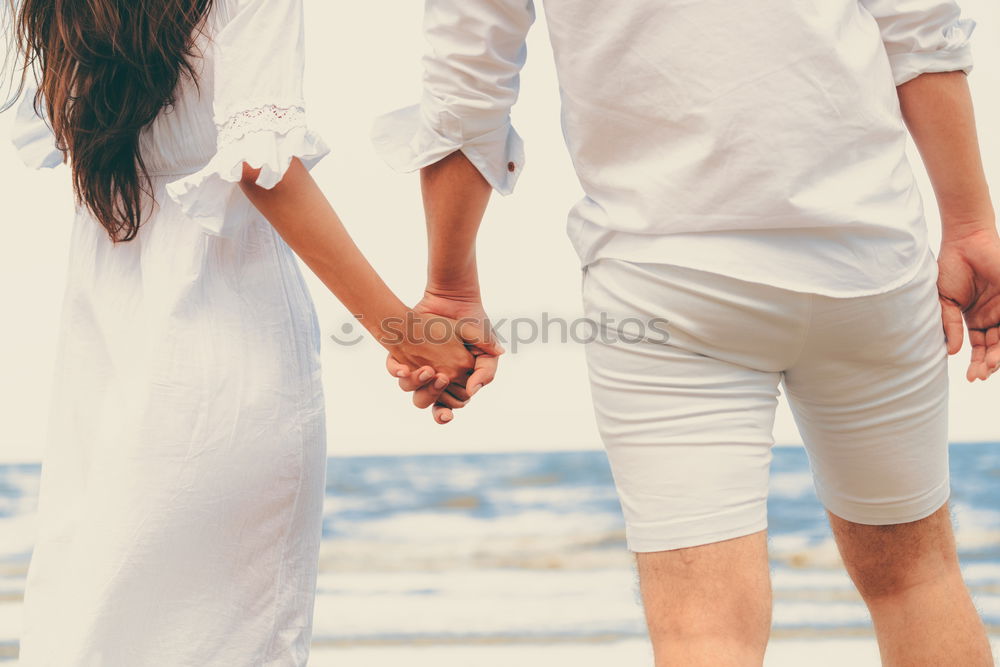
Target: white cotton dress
[181, 498]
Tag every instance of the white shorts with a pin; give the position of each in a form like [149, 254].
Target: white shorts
[685, 375]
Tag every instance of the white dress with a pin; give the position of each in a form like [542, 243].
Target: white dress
[182, 487]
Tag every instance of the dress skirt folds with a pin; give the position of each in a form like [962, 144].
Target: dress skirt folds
[181, 499]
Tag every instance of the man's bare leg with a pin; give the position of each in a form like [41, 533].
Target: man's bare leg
[708, 605]
[910, 579]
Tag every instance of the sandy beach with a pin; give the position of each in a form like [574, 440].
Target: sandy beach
[861, 652]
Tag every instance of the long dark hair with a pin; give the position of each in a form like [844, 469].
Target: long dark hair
[106, 68]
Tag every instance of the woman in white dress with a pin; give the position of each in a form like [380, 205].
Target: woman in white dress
[182, 488]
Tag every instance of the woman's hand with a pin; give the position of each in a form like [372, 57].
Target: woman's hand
[427, 350]
[969, 289]
[473, 328]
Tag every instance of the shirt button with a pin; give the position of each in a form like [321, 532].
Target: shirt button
[511, 167]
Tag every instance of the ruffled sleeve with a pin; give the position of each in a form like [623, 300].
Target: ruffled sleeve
[257, 66]
[475, 52]
[32, 136]
[923, 36]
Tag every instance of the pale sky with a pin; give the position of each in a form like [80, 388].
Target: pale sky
[363, 61]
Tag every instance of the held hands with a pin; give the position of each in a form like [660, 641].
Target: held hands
[433, 378]
[969, 289]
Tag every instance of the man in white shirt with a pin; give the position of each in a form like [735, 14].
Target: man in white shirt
[746, 180]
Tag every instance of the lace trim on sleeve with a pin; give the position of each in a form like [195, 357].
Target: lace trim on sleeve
[268, 118]
[267, 137]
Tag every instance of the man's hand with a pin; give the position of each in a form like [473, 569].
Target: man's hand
[429, 341]
[430, 389]
[455, 198]
[969, 288]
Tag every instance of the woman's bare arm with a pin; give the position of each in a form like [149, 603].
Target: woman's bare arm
[303, 216]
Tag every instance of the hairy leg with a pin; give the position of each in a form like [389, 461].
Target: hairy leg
[708, 605]
[909, 576]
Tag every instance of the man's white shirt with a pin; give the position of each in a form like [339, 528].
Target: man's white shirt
[762, 140]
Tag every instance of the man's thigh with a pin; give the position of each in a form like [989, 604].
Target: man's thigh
[884, 560]
[708, 605]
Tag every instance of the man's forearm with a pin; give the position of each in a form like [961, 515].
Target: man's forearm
[938, 111]
[455, 199]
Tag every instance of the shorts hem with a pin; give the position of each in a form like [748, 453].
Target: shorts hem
[649, 543]
[887, 516]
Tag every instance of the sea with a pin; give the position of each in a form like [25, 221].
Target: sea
[529, 548]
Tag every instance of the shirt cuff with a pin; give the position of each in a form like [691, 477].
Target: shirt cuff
[421, 135]
[954, 55]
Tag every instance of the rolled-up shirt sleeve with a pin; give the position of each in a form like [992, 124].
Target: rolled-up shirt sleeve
[923, 36]
[475, 52]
